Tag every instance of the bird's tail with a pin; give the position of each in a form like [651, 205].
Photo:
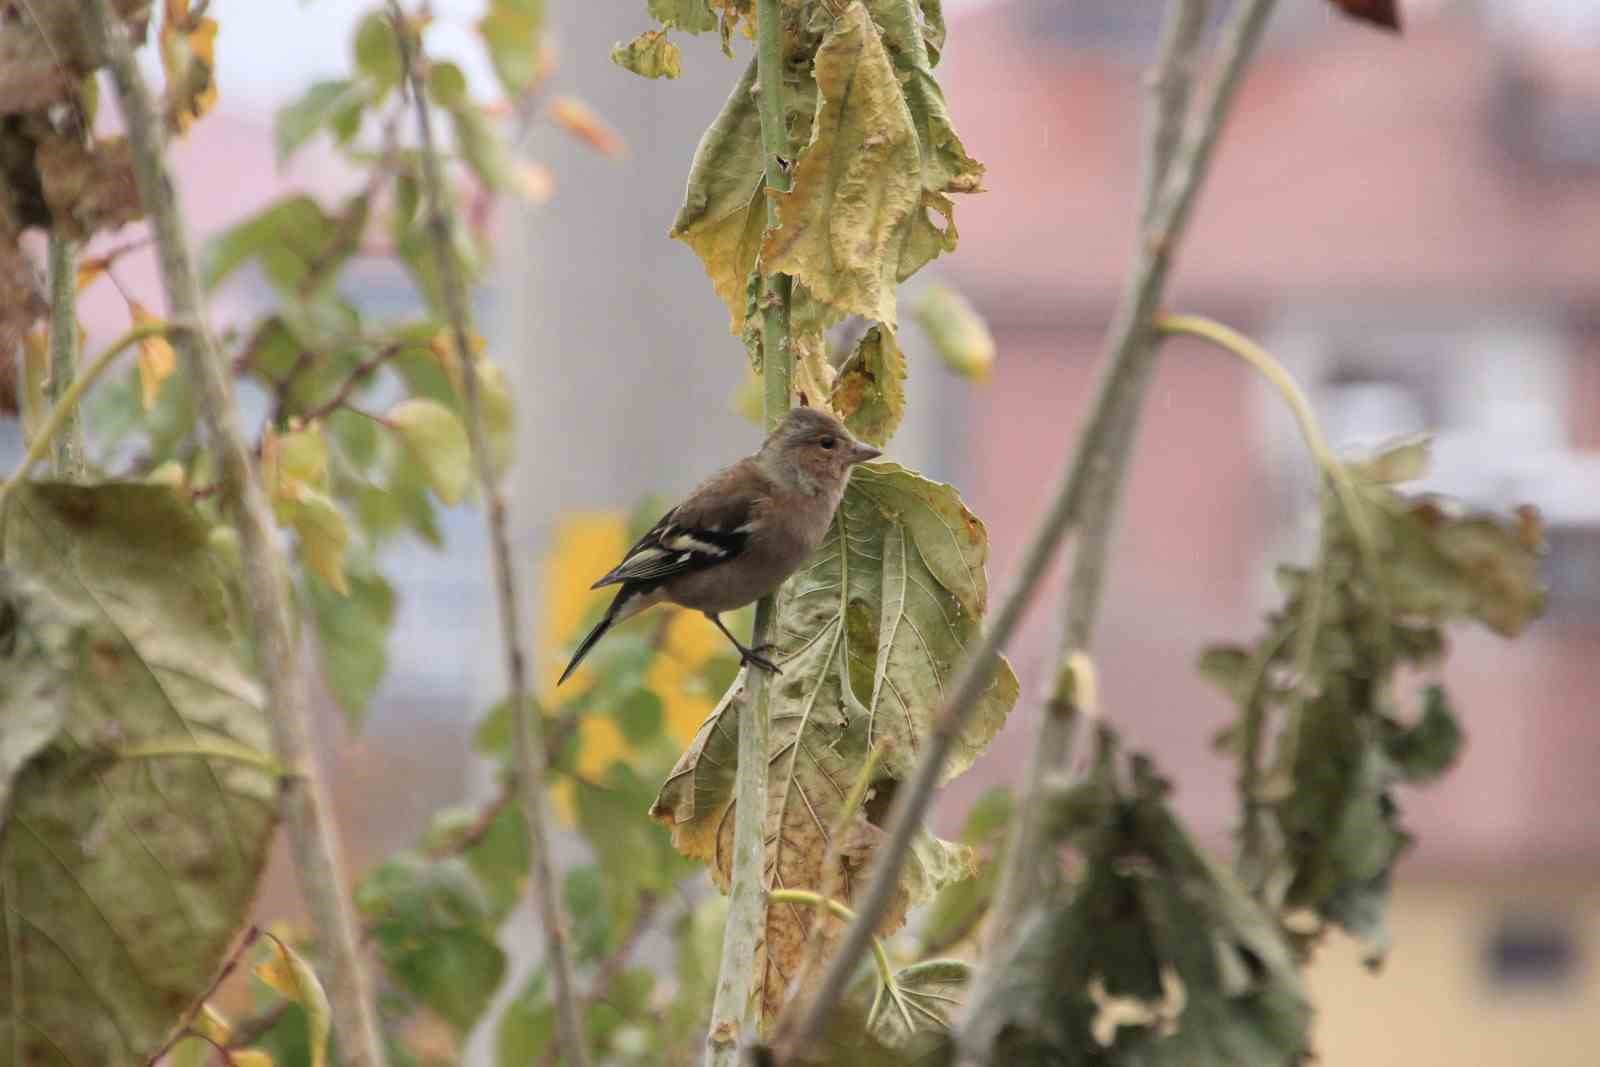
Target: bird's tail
[607, 620]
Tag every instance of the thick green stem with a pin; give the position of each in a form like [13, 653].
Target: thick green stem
[1118, 386]
[67, 443]
[532, 761]
[734, 1007]
[312, 832]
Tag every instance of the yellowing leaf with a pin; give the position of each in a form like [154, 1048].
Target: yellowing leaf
[855, 184]
[157, 360]
[250, 1057]
[811, 380]
[649, 55]
[323, 537]
[870, 392]
[290, 975]
[439, 442]
[89, 271]
[576, 117]
[869, 635]
[188, 56]
[959, 335]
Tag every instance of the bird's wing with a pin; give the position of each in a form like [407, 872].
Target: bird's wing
[709, 528]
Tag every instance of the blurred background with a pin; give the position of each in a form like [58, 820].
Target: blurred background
[1411, 224]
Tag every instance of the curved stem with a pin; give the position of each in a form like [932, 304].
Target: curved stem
[529, 740]
[816, 900]
[61, 412]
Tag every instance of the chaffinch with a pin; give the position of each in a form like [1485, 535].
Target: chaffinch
[741, 532]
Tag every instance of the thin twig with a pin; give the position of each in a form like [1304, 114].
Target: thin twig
[1122, 375]
[1168, 85]
[186, 1023]
[312, 832]
[530, 750]
[734, 1008]
[67, 451]
[364, 370]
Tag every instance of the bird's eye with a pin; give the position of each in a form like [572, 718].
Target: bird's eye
[828, 442]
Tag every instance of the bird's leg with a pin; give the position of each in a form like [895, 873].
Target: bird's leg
[747, 655]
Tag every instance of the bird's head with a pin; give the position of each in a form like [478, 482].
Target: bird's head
[811, 450]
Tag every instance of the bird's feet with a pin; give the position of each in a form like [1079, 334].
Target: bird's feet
[753, 657]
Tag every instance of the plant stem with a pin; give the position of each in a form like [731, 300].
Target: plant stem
[1117, 385]
[312, 832]
[734, 1008]
[529, 740]
[1168, 87]
[67, 451]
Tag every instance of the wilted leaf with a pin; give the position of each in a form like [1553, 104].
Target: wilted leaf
[111, 865]
[335, 105]
[287, 972]
[856, 182]
[695, 16]
[88, 188]
[157, 360]
[41, 643]
[438, 441]
[959, 335]
[1152, 956]
[870, 391]
[1381, 13]
[1426, 750]
[960, 907]
[188, 56]
[868, 636]
[649, 55]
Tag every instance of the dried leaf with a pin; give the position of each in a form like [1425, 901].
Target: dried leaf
[870, 391]
[287, 972]
[89, 188]
[649, 55]
[868, 637]
[855, 184]
[694, 16]
[188, 54]
[157, 360]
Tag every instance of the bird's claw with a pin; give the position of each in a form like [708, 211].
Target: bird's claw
[753, 657]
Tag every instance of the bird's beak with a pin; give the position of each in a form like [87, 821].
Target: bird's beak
[860, 453]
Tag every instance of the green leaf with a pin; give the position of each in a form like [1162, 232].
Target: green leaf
[527, 1027]
[586, 906]
[434, 930]
[335, 105]
[870, 392]
[377, 53]
[126, 881]
[481, 145]
[634, 854]
[353, 637]
[695, 16]
[649, 55]
[447, 86]
[960, 336]
[855, 184]
[511, 37]
[870, 633]
[287, 236]
[1152, 956]
[1425, 751]
[499, 415]
[499, 857]
[959, 907]
[438, 441]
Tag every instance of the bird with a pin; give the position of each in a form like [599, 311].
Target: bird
[740, 533]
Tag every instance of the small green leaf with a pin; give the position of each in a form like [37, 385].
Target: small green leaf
[639, 715]
[481, 145]
[447, 86]
[649, 55]
[290, 234]
[959, 335]
[499, 415]
[527, 1027]
[437, 439]
[334, 105]
[512, 40]
[377, 53]
[353, 638]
